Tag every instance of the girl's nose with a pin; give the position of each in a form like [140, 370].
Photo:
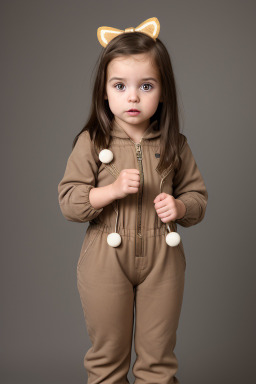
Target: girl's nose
[133, 96]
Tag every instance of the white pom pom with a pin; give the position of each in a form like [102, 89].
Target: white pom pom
[114, 239]
[172, 239]
[106, 156]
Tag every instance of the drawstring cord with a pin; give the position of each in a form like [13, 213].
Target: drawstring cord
[114, 239]
[106, 156]
[161, 184]
[172, 238]
[117, 212]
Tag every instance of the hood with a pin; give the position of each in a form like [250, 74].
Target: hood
[151, 132]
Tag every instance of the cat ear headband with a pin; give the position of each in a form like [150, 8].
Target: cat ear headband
[150, 26]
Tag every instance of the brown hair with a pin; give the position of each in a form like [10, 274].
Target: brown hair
[99, 121]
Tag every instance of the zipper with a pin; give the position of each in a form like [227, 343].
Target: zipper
[139, 235]
[139, 158]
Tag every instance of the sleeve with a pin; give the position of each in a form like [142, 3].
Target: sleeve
[79, 178]
[189, 187]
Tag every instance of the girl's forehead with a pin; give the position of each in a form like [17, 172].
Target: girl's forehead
[127, 64]
[139, 59]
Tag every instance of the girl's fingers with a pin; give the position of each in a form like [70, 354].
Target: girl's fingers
[160, 197]
[132, 170]
[133, 183]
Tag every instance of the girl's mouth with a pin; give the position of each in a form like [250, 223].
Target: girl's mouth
[133, 112]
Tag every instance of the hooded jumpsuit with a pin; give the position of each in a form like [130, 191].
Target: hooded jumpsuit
[143, 271]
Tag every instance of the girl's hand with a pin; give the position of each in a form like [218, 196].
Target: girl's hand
[127, 182]
[168, 208]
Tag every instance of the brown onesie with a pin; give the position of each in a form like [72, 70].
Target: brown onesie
[142, 273]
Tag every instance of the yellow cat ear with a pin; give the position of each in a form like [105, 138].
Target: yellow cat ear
[150, 26]
[106, 34]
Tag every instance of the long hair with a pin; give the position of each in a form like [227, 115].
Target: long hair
[100, 116]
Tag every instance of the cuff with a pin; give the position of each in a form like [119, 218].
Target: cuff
[81, 204]
[193, 211]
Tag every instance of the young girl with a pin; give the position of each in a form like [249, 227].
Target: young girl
[131, 174]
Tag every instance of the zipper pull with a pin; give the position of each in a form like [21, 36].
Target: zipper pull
[138, 151]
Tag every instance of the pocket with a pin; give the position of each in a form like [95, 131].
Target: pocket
[89, 239]
[181, 250]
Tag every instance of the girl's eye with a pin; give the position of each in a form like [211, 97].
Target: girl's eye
[147, 85]
[117, 85]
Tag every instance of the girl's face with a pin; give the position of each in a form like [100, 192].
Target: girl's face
[133, 83]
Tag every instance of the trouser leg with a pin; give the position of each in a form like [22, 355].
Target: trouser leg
[158, 302]
[107, 298]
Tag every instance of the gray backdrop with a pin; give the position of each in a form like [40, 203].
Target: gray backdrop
[49, 49]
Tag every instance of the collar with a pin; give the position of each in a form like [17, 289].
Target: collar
[151, 132]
